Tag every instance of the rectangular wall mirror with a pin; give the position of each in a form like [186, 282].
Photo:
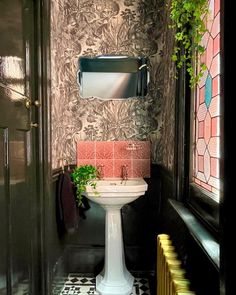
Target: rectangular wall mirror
[113, 77]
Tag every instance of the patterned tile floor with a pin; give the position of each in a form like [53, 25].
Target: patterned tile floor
[85, 285]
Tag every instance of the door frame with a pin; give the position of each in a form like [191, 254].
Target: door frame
[43, 146]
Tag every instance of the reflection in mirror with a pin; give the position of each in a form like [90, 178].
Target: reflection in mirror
[113, 77]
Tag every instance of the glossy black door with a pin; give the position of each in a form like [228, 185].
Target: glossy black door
[18, 199]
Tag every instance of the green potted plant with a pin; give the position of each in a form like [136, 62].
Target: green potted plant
[189, 23]
[82, 176]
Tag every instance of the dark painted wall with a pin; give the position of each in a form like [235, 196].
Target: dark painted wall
[55, 237]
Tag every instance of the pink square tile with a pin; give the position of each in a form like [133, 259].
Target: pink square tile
[90, 150]
[143, 151]
[99, 150]
[85, 162]
[81, 150]
[109, 150]
[104, 150]
[118, 163]
[146, 168]
[86, 149]
[107, 166]
[120, 151]
[138, 153]
[137, 168]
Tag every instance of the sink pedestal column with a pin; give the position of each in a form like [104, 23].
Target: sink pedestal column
[115, 279]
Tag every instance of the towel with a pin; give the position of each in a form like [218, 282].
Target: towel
[84, 207]
[67, 210]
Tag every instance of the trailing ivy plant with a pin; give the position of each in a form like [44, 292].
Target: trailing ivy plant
[82, 176]
[187, 20]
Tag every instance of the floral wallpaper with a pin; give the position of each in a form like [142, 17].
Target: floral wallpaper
[94, 27]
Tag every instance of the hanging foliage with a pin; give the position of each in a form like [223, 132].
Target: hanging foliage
[188, 20]
[82, 176]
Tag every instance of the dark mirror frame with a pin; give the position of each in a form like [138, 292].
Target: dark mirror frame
[113, 77]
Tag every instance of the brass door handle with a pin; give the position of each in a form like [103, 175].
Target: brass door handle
[36, 103]
[29, 103]
[35, 125]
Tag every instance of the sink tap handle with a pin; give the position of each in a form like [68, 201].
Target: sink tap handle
[124, 172]
[100, 169]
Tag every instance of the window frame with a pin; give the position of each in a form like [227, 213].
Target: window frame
[200, 202]
[204, 207]
[227, 166]
[197, 199]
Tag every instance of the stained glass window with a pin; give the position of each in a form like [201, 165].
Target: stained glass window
[206, 152]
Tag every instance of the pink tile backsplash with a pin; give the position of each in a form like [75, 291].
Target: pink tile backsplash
[120, 151]
[118, 163]
[86, 162]
[113, 154]
[137, 168]
[146, 168]
[104, 151]
[85, 150]
[107, 166]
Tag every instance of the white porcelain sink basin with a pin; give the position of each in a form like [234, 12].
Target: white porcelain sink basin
[116, 191]
[112, 194]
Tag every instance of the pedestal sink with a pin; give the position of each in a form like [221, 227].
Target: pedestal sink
[112, 194]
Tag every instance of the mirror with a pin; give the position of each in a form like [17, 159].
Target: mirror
[113, 77]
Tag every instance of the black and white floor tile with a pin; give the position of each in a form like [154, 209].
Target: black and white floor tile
[84, 285]
[21, 288]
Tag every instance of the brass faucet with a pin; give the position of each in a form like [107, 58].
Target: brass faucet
[100, 169]
[124, 172]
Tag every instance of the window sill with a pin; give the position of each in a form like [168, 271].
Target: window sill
[204, 239]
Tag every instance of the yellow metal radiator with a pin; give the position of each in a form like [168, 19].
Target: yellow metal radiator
[171, 279]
